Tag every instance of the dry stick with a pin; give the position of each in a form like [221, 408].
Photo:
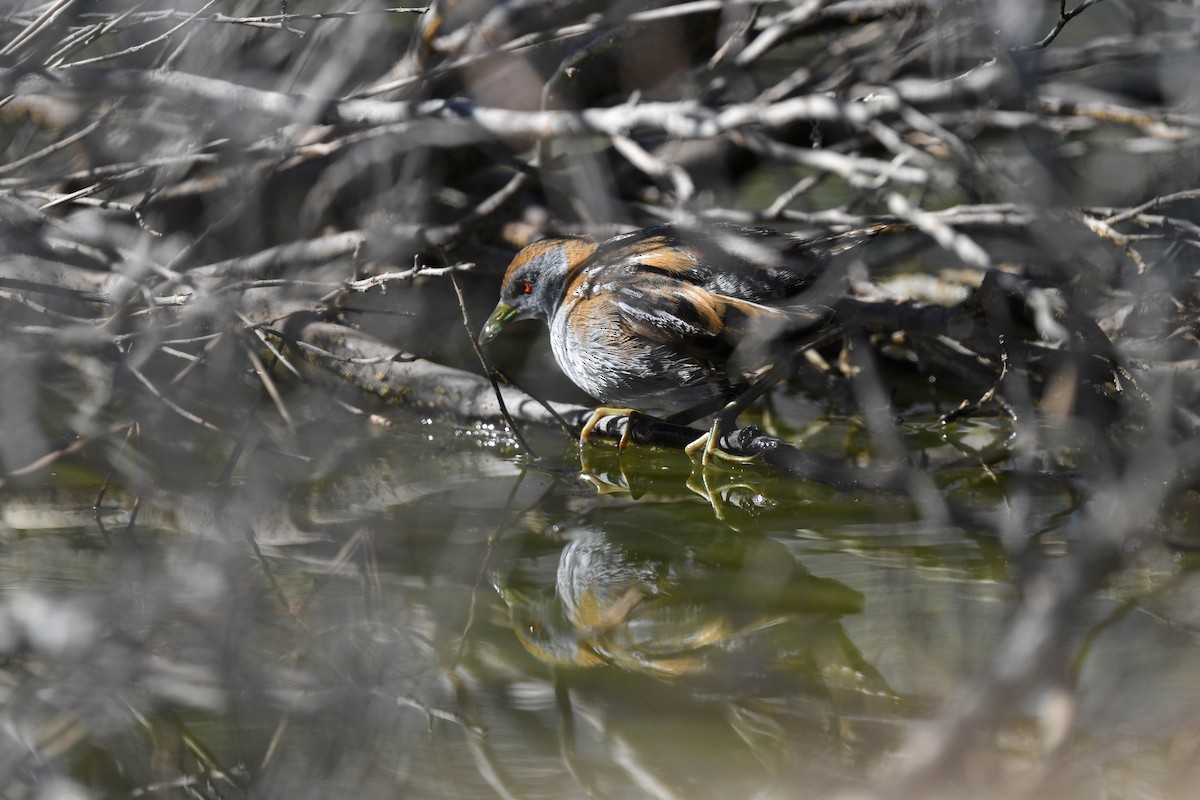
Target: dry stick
[967, 408]
[341, 558]
[213, 340]
[894, 142]
[276, 587]
[36, 27]
[259, 331]
[87, 36]
[779, 30]
[86, 191]
[1064, 17]
[487, 368]
[137, 47]
[239, 442]
[207, 758]
[656, 168]
[371, 282]
[55, 455]
[54, 147]
[360, 540]
[294, 254]
[538, 38]
[1113, 50]
[683, 119]
[127, 170]
[737, 38]
[431, 712]
[266, 20]
[270, 283]
[166, 60]
[861, 172]
[801, 187]
[1172, 226]
[567, 428]
[112, 468]
[268, 383]
[239, 445]
[84, 36]
[326, 248]
[1152, 205]
[971, 165]
[949, 239]
[273, 745]
[398, 355]
[1105, 231]
[1158, 123]
[178, 409]
[486, 208]
[51, 199]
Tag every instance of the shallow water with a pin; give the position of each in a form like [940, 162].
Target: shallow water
[421, 610]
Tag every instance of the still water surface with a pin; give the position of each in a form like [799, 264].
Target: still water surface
[422, 611]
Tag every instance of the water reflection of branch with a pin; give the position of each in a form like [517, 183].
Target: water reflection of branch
[477, 742]
[484, 564]
[580, 771]
[1033, 646]
[433, 712]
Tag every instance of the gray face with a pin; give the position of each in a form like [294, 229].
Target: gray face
[535, 288]
[534, 284]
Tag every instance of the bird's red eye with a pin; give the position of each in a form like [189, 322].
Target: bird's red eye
[525, 287]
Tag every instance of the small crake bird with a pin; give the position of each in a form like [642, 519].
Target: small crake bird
[670, 321]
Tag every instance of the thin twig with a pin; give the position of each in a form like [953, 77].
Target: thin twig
[52, 12]
[138, 47]
[366, 284]
[54, 147]
[171, 404]
[264, 375]
[53, 456]
[508, 420]
[1064, 17]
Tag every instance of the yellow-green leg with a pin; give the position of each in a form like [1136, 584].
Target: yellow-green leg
[600, 413]
[725, 418]
[708, 443]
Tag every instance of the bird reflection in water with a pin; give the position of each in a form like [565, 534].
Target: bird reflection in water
[688, 600]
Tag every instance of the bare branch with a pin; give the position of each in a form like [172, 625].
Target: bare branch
[1064, 17]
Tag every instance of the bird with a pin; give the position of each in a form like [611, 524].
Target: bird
[673, 321]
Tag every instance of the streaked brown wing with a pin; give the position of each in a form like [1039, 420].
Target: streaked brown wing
[689, 293]
[749, 264]
[696, 323]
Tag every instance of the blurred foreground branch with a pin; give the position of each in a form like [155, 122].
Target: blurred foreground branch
[202, 209]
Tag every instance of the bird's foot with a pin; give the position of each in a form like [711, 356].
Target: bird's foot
[708, 445]
[603, 412]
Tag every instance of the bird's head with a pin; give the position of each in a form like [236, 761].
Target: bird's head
[535, 284]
